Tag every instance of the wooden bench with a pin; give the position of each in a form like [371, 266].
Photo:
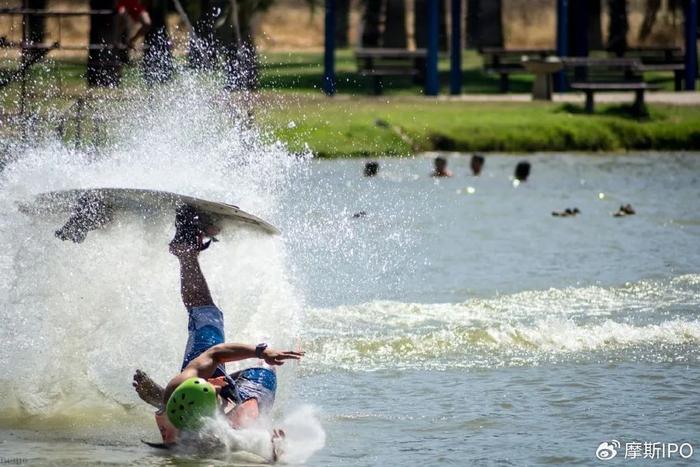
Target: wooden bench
[591, 75]
[505, 62]
[378, 63]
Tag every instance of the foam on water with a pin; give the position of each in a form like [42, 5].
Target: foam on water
[649, 320]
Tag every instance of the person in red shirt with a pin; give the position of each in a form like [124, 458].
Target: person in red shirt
[135, 11]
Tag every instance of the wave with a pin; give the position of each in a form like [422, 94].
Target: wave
[524, 328]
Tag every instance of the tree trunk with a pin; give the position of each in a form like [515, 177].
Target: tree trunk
[578, 28]
[491, 24]
[651, 10]
[241, 65]
[472, 26]
[157, 54]
[371, 22]
[342, 23]
[617, 35]
[35, 23]
[395, 35]
[484, 23]
[595, 30]
[103, 66]
[202, 48]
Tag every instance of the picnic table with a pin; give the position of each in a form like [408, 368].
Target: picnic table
[379, 63]
[505, 62]
[660, 59]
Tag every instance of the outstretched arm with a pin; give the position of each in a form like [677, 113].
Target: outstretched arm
[205, 365]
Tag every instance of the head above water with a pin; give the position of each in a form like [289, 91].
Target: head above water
[440, 163]
[522, 171]
[476, 164]
[190, 402]
[371, 168]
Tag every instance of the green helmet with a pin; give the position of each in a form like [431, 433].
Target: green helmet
[191, 400]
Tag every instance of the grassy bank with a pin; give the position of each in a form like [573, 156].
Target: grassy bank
[402, 123]
[402, 126]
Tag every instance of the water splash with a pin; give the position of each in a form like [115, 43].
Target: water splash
[80, 318]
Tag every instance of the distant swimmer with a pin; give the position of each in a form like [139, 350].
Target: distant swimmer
[441, 169]
[371, 168]
[476, 164]
[202, 388]
[522, 171]
[568, 212]
[625, 210]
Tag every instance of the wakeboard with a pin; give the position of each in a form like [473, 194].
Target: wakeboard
[237, 458]
[94, 208]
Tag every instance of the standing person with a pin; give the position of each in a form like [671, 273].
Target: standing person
[441, 169]
[202, 387]
[134, 11]
[476, 163]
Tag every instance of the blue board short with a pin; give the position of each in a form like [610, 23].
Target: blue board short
[206, 329]
[254, 383]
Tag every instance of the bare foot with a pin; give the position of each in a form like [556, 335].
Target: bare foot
[278, 437]
[148, 390]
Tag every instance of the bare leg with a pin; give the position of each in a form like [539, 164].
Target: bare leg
[245, 414]
[148, 390]
[193, 285]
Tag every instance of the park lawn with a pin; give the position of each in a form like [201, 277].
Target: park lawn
[401, 122]
[366, 127]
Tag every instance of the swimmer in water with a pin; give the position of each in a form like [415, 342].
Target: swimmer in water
[371, 169]
[476, 164]
[522, 171]
[202, 387]
[625, 210]
[441, 169]
[568, 212]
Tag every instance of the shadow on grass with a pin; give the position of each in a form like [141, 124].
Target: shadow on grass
[474, 81]
[625, 111]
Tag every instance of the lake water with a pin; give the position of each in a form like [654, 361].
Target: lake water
[456, 322]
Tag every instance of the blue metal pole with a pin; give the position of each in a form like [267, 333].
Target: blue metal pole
[329, 50]
[562, 40]
[691, 45]
[456, 49]
[432, 82]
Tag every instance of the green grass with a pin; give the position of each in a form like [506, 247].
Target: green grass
[303, 72]
[402, 122]
[358, 127]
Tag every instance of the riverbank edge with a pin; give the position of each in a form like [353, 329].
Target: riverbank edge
[365, 128]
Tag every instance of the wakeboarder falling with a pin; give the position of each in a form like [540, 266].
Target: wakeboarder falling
[202, 388]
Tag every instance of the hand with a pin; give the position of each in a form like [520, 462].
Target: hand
[276, 357]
